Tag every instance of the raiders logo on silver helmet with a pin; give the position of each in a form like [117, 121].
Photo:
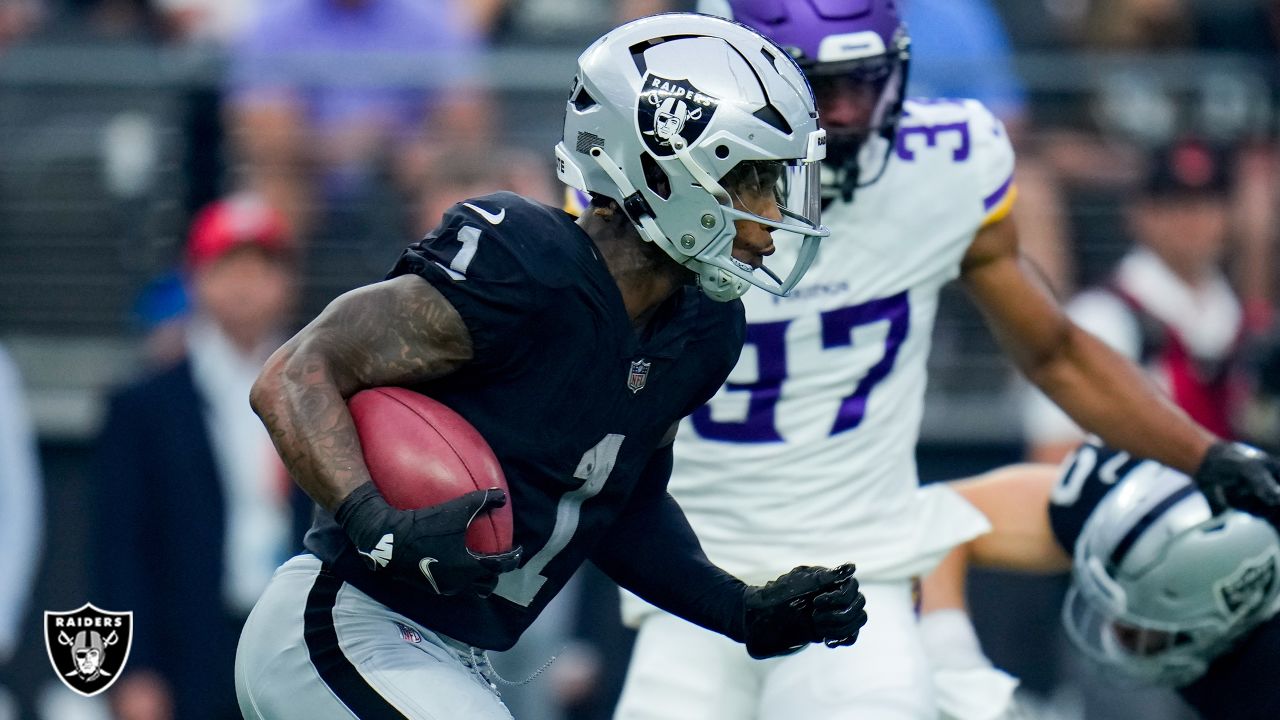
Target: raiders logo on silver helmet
[670, 109]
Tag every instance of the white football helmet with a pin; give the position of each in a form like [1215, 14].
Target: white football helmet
[1161, 586]
[663, 108]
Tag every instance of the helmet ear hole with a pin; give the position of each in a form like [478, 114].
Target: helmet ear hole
[654, 177]
[582, 99]
[722, 151]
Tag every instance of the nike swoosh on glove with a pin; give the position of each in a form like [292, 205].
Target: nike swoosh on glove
[428, 546]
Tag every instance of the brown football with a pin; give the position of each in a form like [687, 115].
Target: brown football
[421, 453]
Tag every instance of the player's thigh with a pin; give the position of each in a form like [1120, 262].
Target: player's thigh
[884, 676]
[680, 671]
[316, 647]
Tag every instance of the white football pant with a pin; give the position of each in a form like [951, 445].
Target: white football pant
[680, 671]
[316, 647]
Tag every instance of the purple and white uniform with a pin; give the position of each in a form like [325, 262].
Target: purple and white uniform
[806, 456]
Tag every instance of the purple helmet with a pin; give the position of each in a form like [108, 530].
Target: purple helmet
[848, 49]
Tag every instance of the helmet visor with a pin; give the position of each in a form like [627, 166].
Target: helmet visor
[797, 230]
[1139, 649]
[796, 188]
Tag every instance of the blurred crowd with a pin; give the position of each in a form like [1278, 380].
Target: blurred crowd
[338, 130]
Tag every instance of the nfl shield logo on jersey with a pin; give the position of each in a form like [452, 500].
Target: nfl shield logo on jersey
[88, 647]
[639, 374]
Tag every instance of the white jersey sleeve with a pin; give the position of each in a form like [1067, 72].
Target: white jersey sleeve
[806, 455]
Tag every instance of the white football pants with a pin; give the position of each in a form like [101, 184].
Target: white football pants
[316, 647]
[680, 671]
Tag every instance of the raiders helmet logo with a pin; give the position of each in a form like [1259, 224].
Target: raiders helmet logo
[1249, 585]
[88, 647]
[670, 109]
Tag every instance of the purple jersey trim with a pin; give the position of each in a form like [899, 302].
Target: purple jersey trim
[994, 198]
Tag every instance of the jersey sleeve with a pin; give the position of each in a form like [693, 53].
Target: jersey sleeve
[1088, 474]
[993, 163]
[480, 269]
[652, 551]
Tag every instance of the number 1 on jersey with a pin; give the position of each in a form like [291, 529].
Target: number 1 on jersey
[520, 586]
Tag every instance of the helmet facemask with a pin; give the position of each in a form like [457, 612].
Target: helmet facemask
[878, 81]
[863, 43]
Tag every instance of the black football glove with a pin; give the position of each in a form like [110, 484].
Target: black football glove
[425, 547]
[806, 605]
[1239, 476]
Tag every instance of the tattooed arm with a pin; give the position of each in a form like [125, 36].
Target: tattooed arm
[391, 333]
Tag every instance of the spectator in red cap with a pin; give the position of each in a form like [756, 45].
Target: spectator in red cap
[194, 507]
[1168, 303]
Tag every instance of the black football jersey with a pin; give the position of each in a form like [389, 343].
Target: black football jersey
[1090, 473]
[1239, 685]
[571, 400]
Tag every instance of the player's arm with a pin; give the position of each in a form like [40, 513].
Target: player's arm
[652, 551]
[1015, 500]
[1100, 389]
[396, 332]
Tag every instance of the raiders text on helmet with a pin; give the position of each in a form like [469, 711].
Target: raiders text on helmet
[663, 108]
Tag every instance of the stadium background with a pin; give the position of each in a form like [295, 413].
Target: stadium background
[111, 137]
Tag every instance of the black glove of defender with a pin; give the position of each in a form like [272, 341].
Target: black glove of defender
[1239, 476]
[806, 605]
[427, 544]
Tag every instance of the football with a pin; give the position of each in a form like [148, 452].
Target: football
[421, 453]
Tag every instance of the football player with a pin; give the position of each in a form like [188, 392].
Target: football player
[1167, 588]
[574, 348]
[806, 455]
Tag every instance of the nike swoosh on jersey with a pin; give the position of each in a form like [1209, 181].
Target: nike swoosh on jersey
[425, 566]
[493, 218]
[381, 553]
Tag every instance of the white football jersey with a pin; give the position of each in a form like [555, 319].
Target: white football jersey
[806, 455]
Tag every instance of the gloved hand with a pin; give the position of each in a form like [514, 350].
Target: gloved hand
[1239, 476]
[425, 547]
[806, 605]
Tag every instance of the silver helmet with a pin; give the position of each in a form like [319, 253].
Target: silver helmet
[1161, 586]
[663, 108]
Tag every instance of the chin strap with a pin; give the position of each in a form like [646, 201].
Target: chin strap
[721, 286]
[634, 206]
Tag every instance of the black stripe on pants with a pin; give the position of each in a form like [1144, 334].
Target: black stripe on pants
[333, 665]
